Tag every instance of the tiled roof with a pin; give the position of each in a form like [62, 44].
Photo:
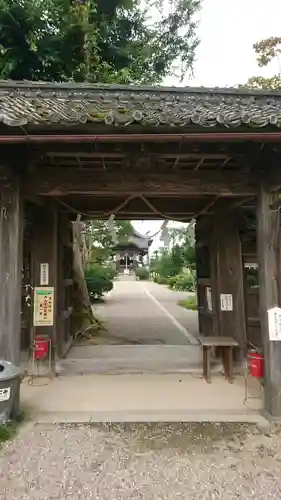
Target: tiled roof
[23, 103]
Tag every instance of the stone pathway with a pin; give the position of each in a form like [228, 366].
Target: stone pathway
[146, 313]
[142, 462]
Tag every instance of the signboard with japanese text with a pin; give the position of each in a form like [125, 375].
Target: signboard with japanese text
[44, 274]
[274, 323]
[43, 314]
[226, 302]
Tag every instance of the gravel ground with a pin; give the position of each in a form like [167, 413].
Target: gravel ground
[142, 462]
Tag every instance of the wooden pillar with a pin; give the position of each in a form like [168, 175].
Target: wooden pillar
[65, 286]
[215, 283]
[268, 239]
[207, 317]
[228, 279]
[45, 250]
[11, 248]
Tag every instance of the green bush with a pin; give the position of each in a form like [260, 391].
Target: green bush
[172, 281]
[142, 273]
[182, 283]
[160, 280]
[99, 280]
[190, 303]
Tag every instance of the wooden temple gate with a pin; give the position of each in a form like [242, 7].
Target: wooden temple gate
[143, 153]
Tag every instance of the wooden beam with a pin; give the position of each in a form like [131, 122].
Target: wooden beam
[128, 153]
[268, 239]
[63, 181]
[195, 156]
[81, 154]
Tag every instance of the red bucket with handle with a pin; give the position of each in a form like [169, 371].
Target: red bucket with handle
[41, 348]
[256, 364]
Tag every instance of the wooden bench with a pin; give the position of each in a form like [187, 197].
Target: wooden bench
[226, 346]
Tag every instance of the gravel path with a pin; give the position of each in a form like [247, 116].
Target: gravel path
[132, 317]
[142, 462]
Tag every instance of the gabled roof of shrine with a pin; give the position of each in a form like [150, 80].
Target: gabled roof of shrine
[137, 240]
[35, 103]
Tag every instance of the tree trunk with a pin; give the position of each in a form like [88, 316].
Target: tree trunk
[85, 320]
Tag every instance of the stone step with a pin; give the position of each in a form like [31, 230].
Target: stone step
[176, 415]
[126, 277]
[132, 359]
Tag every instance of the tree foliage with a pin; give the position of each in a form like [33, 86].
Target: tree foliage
[101, 239]
[267, 51]
[171, 262]
[96, 40]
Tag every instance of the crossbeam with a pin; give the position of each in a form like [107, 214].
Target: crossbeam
[65, 181]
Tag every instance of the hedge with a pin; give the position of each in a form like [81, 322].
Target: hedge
[99, 280]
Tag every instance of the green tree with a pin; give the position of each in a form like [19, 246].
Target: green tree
[170, 262]
[101, 238]
[96, 40]
[267, 51]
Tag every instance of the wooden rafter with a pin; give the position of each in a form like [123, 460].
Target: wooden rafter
[198, 165]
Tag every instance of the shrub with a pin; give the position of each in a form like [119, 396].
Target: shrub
[99, 279]
[182, 282]
[142, 273]
[190, 303]
[172, 281]
[160, 280]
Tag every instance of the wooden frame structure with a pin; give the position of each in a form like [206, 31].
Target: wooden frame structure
[140, 153]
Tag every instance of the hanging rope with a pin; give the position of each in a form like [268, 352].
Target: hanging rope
[122, 205]
[164, 216]
[88, 214]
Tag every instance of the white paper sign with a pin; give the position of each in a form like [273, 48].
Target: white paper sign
[209, 298]
[44, 274]
[226, 302]
[5, 394]
[274, 323]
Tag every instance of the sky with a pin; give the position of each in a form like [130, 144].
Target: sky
[228, 29]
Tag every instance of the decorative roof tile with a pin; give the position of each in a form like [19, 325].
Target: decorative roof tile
[23, 103]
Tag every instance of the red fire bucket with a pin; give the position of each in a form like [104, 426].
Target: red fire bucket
[256, 364]
[41, 348]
